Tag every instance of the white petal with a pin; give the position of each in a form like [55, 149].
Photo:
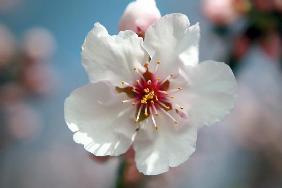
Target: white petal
[172, 40]
[100, 121]
[169, 146]
[210, 93]
[112, 58]
[189, 46]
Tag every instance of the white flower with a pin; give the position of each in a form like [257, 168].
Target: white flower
[139, 15]
[157, 106]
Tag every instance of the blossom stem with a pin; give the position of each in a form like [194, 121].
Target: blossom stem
[128, 176]
[120, 174]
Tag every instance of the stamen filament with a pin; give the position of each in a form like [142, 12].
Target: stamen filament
[138, 82]
[135, 90]
[138, 113]
[154, 109]
[139, 74]
[175, 90]
[154, 122]
[169, 115]
[180, 107]
[146, 110]
[128, 100]
[167, 78]
[157, 66]
[156, 97]
[163, 105]
[163, 92]
[126, 83]
[182, 113]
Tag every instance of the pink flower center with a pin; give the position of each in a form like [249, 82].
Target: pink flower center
[150, 95]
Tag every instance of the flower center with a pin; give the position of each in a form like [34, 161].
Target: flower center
[150, 95]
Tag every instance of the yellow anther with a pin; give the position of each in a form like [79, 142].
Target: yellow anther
[143, 100]
[146, 112]
[148, 97]
[164, 105]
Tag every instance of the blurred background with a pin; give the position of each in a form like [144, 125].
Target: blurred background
[40, 65]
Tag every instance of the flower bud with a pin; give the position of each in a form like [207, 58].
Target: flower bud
[23, 123]
[263, 6]
[7, 45]
[38, 79]
[220, 12]
[39, 44]
[139, 15]
[7, 6]
[278, 5]
[271, 45]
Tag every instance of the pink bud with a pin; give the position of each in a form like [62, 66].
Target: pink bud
[11, 92]
[139, 15]
[278, 5]
[271, 45]
[22, 121]
[9, 5]
[241, 46]
[220, 12]
[264, 6]
[7, 45]
[38, 79]
[39, 44]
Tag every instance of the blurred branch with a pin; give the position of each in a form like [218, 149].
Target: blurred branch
[120, 174]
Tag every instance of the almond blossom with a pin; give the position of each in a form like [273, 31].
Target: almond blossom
[152, 94]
